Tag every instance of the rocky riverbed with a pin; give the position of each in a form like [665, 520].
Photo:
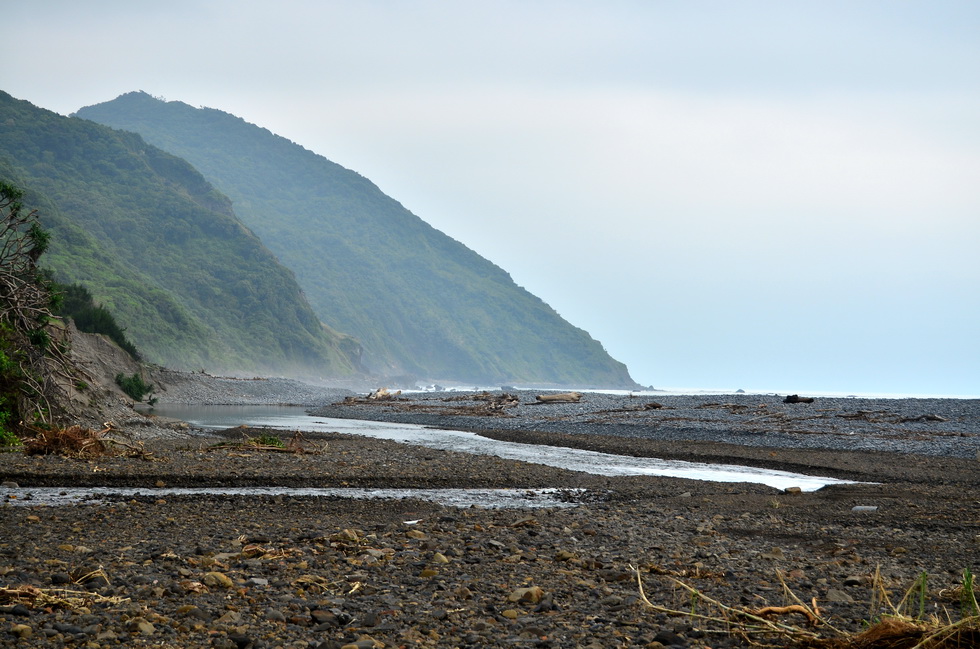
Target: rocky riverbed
[280, 571]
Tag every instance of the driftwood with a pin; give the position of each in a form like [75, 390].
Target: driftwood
[768, 611]
[795, 398]
[382, 394]
[560, 397]
[905, 420]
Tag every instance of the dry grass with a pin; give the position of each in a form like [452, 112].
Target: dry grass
[82, 443]
[60, 597]
[901, 626]
[74, 441]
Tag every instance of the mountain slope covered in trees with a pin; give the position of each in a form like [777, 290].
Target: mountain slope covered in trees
[420, 302]
[151, 239]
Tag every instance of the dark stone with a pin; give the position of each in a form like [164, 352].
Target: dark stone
[241, 640]
[666, 637]
[60, 578]
[21, 610]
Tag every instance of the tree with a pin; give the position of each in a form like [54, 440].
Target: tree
[29, 360]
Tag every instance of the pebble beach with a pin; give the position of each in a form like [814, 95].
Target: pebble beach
[614, 566]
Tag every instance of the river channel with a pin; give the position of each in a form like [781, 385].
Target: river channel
[290, 418]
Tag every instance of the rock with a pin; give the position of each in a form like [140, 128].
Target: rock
[363, 643]
[217, 580]
[669, 638]
[60, 579]
[839, 596]
[773, 554]
[275, 616]
[532, 595]
[22, 631]
[241, 640]
[140, 625]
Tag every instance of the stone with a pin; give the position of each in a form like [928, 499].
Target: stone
[140, 625]
[241, 640]
[60, 578]
[217, 580]
[667, 638]
[22, 631]
[839, 596]
[363, 643]
[275, 616]
[773, 554]
[532, 595]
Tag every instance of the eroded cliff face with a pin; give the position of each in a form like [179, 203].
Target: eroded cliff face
[90, 396]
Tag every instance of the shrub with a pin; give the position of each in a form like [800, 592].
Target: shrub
[267, 439]
[8, 438]
[78, 304]
[135, 387]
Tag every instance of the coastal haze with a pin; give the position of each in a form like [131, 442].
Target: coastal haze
[758, 196]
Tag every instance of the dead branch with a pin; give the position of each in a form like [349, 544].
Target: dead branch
[768, 611]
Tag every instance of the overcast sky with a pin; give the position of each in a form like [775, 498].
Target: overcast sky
[762, 195]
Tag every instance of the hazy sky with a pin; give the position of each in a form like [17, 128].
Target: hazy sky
[763, 195]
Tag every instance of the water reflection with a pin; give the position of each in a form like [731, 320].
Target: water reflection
[295, 418]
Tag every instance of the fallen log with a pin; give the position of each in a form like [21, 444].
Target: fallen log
[795, 398]
[560, 397]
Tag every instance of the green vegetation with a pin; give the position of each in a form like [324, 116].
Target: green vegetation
[28, 359]
[79, 305]
[267, 439]
[418, 301]
[8, 438]
[135, 387]
[157, 246]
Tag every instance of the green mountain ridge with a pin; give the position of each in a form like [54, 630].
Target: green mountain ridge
[162, 249]
[419, 302]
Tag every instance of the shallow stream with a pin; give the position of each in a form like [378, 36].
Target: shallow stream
[291, 418]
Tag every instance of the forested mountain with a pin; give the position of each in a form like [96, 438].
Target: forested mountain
[154, 242]
[419, 302]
